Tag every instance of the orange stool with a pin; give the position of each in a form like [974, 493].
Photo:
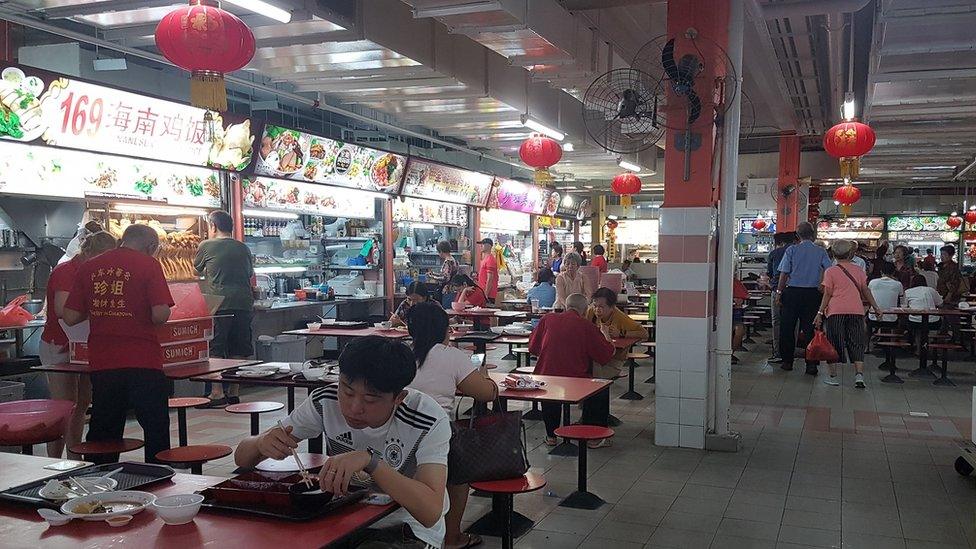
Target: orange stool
[194, 456]
[105, 448]
[255, 409]
[180, 405]
[581, 499]
[502, 520]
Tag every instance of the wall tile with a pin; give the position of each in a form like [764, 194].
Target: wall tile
[667, 409]
[668, 384]
[691, 411]
[667, 434]
[692, 385]
[690, 436]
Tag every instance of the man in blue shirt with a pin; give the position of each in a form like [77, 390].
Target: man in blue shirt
[798, 292]
[782, 241]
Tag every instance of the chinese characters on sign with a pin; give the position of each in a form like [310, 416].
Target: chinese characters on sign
[108, 291]
[523, 197]
[77, 115]
[446, 184]
[851, 224]
[429, 211]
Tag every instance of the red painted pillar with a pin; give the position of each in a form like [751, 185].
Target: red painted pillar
[788, 198]
[687, 246]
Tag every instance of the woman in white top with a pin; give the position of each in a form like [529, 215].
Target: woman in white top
[443, 371]
[570, 281]
[922, 296]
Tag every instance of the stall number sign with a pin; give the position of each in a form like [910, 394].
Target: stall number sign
[851, 224]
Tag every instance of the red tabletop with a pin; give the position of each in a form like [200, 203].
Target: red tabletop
[107, 446]
[350, 332]
[20, 525]
[529, 482]
[20, 469]
[570, 390]
[184, 371]
[310, 461]
[187, 402]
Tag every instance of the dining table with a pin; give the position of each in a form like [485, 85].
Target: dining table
[923, 371]
[181, 371]
[327, 331]
[22, 527]
[482, 317]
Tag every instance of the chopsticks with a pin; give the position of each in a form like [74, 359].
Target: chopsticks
[306, 477]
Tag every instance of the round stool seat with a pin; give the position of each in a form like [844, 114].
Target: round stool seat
[198, 453]
[187, 402]
[945, 346]
[25, 422]
[584, 432]
[491, 366]
[257, 407]
[529, 482]
[101, 447]
[288, 465]
[898, 344]
[638, 356]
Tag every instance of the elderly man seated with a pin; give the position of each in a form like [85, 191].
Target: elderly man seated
[568, 345]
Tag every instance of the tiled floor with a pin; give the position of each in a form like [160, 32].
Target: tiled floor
[819, 466]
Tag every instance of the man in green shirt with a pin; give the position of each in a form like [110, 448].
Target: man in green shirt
[228, 268]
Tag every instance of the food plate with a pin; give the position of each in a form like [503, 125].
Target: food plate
[256, 373]
[128, 502]
[60, 490]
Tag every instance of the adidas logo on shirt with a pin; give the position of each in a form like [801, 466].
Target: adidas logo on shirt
[345, 438]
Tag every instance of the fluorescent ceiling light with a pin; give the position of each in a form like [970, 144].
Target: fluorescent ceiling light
[568, 147]
[628, 166]
[848, 109]
[926, 178]
[263, 8]
[932, 167]
[542, 128]
[157, 210]
[269, 214]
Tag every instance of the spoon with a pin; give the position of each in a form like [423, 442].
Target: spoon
[108, 475]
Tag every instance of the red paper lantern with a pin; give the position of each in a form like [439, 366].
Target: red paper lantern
[759, 223]
[846, 196]
[849, 141]
[971, 216]
[625, 185]
[209, 42]
[954, 221]
[540, 151]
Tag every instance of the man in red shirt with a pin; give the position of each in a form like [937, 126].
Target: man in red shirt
[488, 270]
[567, 345]
[125, 296]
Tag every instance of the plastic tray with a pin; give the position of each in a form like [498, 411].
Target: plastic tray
[271, 499]
[132, 476]
[477, 336]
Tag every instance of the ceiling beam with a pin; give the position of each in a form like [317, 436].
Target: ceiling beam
[93, 8]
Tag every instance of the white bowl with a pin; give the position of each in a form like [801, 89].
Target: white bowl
[498, 329]
[314, 325]
[296, 367]
[314, 374]
[178, 509]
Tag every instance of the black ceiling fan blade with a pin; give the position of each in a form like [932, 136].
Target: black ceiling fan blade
[667, 61]
[694, 107]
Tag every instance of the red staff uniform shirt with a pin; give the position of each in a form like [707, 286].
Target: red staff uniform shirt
[118, 290]
[489, 265]
[600, 262]
[62, 279]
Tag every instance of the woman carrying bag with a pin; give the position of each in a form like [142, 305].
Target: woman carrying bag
[442, 372]
[844, 295]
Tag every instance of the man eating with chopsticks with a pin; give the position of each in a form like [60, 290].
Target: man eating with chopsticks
[373, 424]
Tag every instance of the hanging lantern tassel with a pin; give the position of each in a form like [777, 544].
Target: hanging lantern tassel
[207, 90]
[850, 167]
[625, 200]
[846, 209]
[543, 177]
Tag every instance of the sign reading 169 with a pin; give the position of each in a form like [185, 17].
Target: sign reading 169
[80, 114]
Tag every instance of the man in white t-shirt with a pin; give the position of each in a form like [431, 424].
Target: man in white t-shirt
[886, 291]
[373, 424]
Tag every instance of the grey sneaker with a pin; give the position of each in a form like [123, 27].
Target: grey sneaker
[831, 380]
[859, 381]
[774, 360]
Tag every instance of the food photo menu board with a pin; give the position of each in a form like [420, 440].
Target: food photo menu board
[299, 156]
[61, 173]
[444, 183]
[522, 197]
[44, 108]
[428, 211]
[307, 198]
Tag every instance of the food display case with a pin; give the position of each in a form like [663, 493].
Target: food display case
[967, 253]
[921, 232]
[418, 226]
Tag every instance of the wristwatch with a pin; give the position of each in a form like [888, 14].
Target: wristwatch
[374, 461]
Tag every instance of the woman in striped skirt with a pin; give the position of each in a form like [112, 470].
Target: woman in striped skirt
[845, 291]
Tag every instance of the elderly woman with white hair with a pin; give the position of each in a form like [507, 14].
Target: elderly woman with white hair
[845, 291]
[570, 281]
